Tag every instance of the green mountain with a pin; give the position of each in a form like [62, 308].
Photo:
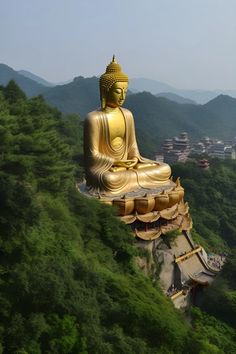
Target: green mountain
[70, 283]
[211, 194]
[158, 118]
[224, 106]
[36, 78]
[153, 86]
[156, 87]
[79, 96]
[29, 86]
[176, 98]
[136, 85]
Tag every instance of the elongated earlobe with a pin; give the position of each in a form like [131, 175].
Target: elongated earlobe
[103, 92]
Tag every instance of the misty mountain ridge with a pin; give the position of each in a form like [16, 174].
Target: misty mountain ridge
[135, 84]
[79, 96]
[153, 86]
[29, 86]
[156, 118]
[156, 87]
[176, 98]
[40, 80]
[36, 78]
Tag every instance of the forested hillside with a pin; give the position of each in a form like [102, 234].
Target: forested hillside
[212, 195]
[29, 86]
[176, 98]
[79, 96]
[157, 118]
[36, 78]
[68, 277]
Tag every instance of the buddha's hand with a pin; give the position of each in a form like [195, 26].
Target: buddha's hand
[126, 163]
[132, 163]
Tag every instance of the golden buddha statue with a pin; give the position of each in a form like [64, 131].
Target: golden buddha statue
[113, 163]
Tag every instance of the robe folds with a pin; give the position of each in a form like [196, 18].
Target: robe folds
[100, 155]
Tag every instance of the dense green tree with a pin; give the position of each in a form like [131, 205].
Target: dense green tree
[211, 195]
[13, 93]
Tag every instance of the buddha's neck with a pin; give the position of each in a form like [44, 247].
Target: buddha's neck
[114, 110]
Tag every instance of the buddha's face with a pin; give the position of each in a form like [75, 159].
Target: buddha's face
[116, 95]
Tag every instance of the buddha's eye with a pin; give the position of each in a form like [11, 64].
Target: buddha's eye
[118, 91]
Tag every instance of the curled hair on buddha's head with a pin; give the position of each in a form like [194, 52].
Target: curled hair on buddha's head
[112, 75]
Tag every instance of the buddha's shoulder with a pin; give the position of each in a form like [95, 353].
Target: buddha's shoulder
[94, 115]
[127, 113]
[99, 114]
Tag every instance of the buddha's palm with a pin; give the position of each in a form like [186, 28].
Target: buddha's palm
[126, 163]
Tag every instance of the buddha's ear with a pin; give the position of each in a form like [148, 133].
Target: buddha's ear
[103, 102]
[103, 97]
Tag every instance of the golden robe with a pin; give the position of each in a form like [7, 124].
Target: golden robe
[100, 156]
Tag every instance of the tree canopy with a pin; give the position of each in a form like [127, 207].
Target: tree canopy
[211, 195]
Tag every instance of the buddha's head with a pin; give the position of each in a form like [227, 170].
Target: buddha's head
[113, 85]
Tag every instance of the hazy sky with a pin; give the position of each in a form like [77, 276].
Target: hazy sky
[186, 43]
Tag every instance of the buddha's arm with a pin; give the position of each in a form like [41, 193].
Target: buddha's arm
[134, 154]
[132, 148]
[133, 151]
[94, 157]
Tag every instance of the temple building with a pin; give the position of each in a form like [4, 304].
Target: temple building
[181, 143]
[198, 148]
[185, 267]
[221, 150]
[203, 164]
[217, 150]
[206, 141]
[167, 146]
[176, 149]
[230, 152]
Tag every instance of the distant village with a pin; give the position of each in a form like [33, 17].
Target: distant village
[179, 149]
